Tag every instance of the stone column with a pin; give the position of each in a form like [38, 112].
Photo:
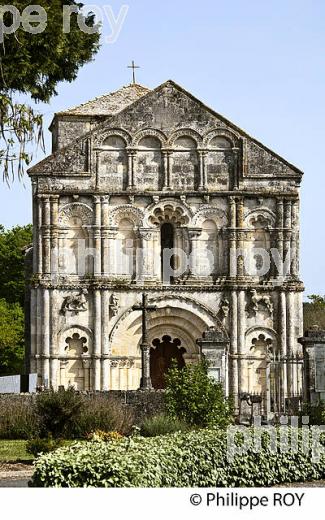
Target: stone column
[105, 223]
[282, 318]
[105, 383]
[54, 347]
[287, 235]
[97, 236]
[240, 241]
[280, 225]
[33, 329]
[241, 339]
[235, 151]
[290, 338]
[46, 236]
[232, 238]
[35, 224]
[233, 377]
[295, 239]
[54, 235]
[46, 339]
[39, 232]
[170, 168]
[131, 156]
[202, 170]
[39, 332]
[166, 155]
[97, 320]
[111, 261]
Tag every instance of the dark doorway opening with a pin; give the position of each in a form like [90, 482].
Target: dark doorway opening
[167, 258]
[161, 358]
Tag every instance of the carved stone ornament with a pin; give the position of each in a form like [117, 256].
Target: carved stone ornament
[224, 309]
[258, 302]
[114, 304]
[75, 304]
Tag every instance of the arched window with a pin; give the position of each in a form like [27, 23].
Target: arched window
[113, 163]
[219, 163]
[185, 170]
[125, 249]
[148, 164]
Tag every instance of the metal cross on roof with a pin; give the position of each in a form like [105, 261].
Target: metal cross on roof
[133, 67]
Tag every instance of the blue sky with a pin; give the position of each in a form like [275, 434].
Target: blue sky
[260, 64]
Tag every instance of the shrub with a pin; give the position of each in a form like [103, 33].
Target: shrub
[38, 446]
[17, 419]
[162, 425]
[103, 413]
[58, 412]
[194, 397]
[192, 459]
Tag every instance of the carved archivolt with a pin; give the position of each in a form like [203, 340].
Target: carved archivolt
[135, 215]
[101, 138]
[220, 132]
[219, 216]
[185, 132]
[168, 210]
[75, 210]
[263, 217]
[150, 132]
[198, 308]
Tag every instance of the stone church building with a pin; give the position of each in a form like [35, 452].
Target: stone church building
[152, 191]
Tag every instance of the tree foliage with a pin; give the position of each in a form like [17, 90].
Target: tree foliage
[34, 64]
[11, 338]
[12, 268]
[314, 311]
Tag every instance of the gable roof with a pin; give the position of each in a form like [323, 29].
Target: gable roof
[121, 100]
[108, 104]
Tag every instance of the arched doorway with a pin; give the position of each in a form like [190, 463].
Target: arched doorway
[162, 353]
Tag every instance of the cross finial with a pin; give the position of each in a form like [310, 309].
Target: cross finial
[133, 67]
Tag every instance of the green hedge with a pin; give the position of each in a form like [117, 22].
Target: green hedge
[194, 459]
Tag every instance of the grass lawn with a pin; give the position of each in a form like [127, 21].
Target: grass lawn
[13, 451]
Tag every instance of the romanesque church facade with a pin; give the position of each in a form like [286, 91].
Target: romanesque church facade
[151, 191]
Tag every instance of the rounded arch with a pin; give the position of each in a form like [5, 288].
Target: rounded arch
[69, 331]
[254, 332]
[220, 133]
[260, 214]
[177, 211]
[114, 142]
[75, 210]
[175, 314]
[114, 132]
[149, 132]
[129, 212]
[208, 212]
[185, 132]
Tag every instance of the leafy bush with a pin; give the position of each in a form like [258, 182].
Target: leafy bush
[194, 397]
[58, 412]
[162, 425]
[37, 446]
[104, 413]
[193, 459]
[17, 419]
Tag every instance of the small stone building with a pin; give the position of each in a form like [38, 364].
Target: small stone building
[151, 190]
